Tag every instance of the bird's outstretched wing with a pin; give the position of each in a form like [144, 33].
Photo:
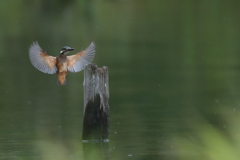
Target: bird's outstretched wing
[78, 61]
[41, 60]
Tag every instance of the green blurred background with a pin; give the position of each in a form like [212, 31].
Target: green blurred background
[173, 75]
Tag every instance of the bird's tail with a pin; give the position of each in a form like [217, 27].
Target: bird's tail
[60, 83]
[62, 79]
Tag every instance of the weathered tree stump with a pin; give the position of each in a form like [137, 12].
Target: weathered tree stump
[96, 108]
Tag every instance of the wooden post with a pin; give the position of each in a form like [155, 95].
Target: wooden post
[96, 109]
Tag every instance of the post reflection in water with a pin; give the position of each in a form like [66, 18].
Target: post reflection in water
[96, 151]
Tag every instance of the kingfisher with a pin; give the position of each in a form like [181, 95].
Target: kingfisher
[62, 63]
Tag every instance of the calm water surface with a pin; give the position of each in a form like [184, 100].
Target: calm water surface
[173, 76]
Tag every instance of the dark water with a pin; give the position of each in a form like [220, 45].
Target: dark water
[173, 76]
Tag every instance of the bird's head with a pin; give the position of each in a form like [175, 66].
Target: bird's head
[65, 50]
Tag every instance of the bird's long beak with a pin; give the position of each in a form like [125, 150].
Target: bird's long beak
[70, 49]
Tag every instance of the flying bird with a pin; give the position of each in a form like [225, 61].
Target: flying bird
[62, 63]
